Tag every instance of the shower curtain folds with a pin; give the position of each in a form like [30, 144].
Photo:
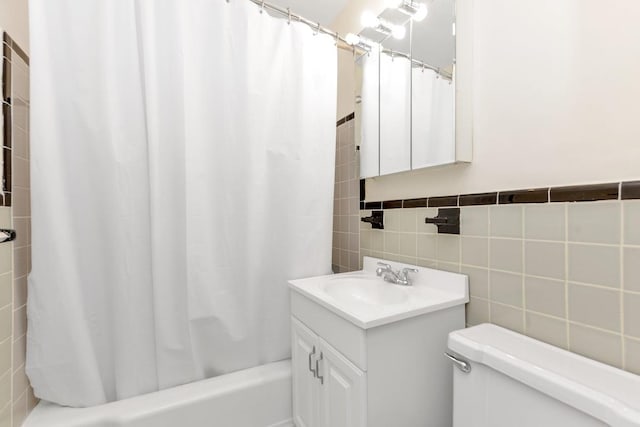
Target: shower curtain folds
[182, 171]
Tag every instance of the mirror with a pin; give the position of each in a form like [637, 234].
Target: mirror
[407, 90]
[395, 96]
[433, 94]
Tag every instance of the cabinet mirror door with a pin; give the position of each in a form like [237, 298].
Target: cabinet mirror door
[433, 124]
[395, 99]
[408, 120]
[368, 68]
[433, 91]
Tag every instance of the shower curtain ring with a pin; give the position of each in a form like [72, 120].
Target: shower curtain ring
[289, 15]
[262, 7]
[423, 67]
[317, 31]
[336, 40]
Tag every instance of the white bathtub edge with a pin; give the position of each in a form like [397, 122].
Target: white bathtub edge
[185, 402]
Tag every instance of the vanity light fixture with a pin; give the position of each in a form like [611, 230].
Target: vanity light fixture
[415, 9]
[393, 4]
[352, 39]
[421, 11]
[359, 42]
[398, 32]
[369, 20]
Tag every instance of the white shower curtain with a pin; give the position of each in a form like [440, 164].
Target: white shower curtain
[182, 171]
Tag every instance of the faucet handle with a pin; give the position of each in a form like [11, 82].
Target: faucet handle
[382, 268]
[407, 270]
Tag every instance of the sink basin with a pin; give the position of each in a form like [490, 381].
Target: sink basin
[365, 290]
[367, 301]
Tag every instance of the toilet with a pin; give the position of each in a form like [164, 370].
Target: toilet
[504, 379]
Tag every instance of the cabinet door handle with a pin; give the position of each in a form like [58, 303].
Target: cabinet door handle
[320, 377]
[313, 351]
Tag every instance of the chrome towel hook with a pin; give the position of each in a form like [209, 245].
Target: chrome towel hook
[7, 235]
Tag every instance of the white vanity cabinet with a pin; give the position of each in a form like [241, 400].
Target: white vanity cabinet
[366, 353]
[328, 390]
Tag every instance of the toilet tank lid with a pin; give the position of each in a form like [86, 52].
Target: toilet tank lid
[602, 391]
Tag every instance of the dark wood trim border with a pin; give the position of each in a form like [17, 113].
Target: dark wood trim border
[627, 190]
[630, 190]
[15, 47]
[9, 49]
[585, 193]
[346, 119]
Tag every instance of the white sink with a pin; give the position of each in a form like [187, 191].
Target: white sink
[366, 300]
[364, 290]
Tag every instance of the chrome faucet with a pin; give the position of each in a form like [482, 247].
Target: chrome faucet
[400, 277]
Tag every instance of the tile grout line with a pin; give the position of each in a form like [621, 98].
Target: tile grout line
[524, 269]
[622, 283]
[564, 279]
[566, 274]
[596, 328]
[489, 275]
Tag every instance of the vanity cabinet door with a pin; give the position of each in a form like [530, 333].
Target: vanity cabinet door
[304, 348]
[343, 390]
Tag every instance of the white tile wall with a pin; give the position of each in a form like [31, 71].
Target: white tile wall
[632, 355]
[564, 273]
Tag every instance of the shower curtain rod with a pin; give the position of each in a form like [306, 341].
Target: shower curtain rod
[419, 63]
[319, 28]
[293, 16]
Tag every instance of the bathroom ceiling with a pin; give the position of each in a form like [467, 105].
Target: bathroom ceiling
[323, 11]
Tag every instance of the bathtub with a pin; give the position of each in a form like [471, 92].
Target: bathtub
[255, 397]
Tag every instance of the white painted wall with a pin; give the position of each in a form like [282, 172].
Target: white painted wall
[346, 83]
[556, 100]
[348, 21]
[14, 19]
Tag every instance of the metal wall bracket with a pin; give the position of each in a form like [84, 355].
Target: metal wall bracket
[7, 235]
[448, 220]
[376, 220]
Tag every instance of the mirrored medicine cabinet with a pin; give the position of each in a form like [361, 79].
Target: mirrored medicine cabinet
[406, 91]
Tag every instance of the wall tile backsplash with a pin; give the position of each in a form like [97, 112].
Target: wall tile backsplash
[16, 395]
[565, 273]
[346, 238]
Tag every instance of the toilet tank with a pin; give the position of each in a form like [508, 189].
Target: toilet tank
[518, 381]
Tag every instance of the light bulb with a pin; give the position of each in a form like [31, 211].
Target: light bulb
[398, 32]
[393, 4]
[368, 19]
[352, 39]
[421, 12]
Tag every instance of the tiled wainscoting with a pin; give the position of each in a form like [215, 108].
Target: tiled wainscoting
[16, 396]
[346, 199]
[564, 273]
